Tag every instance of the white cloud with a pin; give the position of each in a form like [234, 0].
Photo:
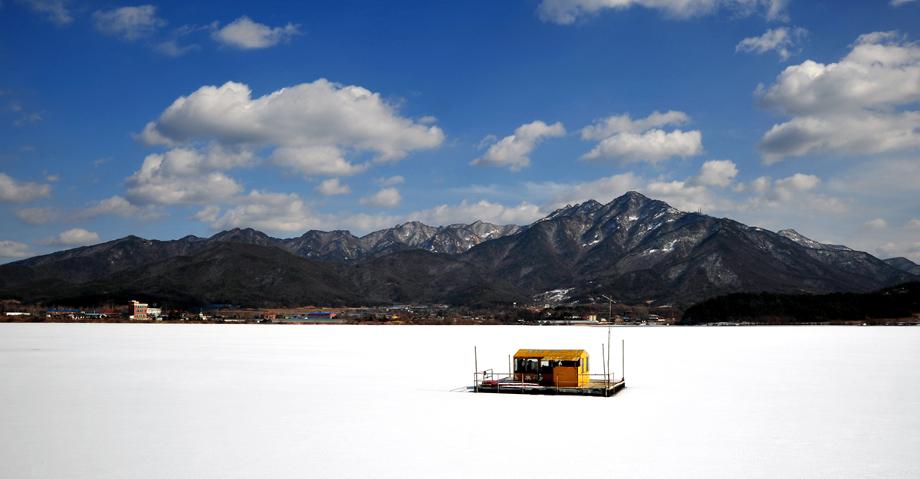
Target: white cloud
[717, 173]
[172, 48]
[627, 140]
[907, 249]
[390, 180]
[651, 146]
[208, 214]
[898, 3]
[316, 161]
[247, 34]
[385, 198]
[892, 180]
[799, 194]
[175, 45]
[913, 224]
[512, 151]
[74, 237]
[566, 12]
[265, 211]
[129, 23]
[856, 133]
[854, 106]
[707, 191]
[361, 223]
[761, 184]
[482, 190]
[114, 205]
[776, 10]
[486, 141]
[118, 206]
[55, 11]
[24, 117]
[799, 182]
[876, 224]
[12, 191]
[696, 193]
[312, 126]
[605, 189]
[37, 216]
[489, 212]
[331, 187]
[14, 250]
[186, 176]
[612, 125]
[876, 73]
[683, 195]
[786, 188]
[688, 194]
[782, 40]
[286, 213]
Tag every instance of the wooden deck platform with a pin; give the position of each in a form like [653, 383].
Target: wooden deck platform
[595, 388]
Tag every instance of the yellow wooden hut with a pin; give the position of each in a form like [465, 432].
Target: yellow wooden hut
[552, 367]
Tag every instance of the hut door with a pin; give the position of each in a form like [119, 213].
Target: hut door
[546, 372]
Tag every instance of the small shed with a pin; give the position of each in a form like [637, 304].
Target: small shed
[552, 367]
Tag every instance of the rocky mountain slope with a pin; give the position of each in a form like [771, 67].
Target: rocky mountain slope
[260, 275]
[808, 242]
[341, 245]
[638, 248]
[634, 248]
[904, 264]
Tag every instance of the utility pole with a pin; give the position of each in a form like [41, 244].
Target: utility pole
[609, 321]
[610, 311]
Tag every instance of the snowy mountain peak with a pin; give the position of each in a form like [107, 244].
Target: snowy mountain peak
[634, 247]
[794, 235]
[580, 209]
[242, 235]
[635, 196]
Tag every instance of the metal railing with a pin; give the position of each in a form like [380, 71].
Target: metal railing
[491, 379]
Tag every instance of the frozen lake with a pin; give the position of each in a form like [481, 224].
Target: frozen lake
[245, 401]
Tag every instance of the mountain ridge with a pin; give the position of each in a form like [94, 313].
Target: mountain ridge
[904, 264]
[633, 247]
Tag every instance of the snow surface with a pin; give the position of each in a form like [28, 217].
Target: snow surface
[247, 401]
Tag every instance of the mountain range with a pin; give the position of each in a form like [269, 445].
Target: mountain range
[633, 248]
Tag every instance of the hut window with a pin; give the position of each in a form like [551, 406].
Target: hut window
[526, 365]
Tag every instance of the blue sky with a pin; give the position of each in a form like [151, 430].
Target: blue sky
[360, 115]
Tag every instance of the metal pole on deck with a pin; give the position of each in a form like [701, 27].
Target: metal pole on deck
[623, 357]
[604, 361]
[476, 371]
[609, 322]
[608, 348]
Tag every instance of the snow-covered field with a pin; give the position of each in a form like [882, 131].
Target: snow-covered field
[238, 401]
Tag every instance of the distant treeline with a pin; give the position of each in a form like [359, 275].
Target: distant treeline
[901, 301]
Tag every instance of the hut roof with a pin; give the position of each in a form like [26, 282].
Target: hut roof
[551, 354]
